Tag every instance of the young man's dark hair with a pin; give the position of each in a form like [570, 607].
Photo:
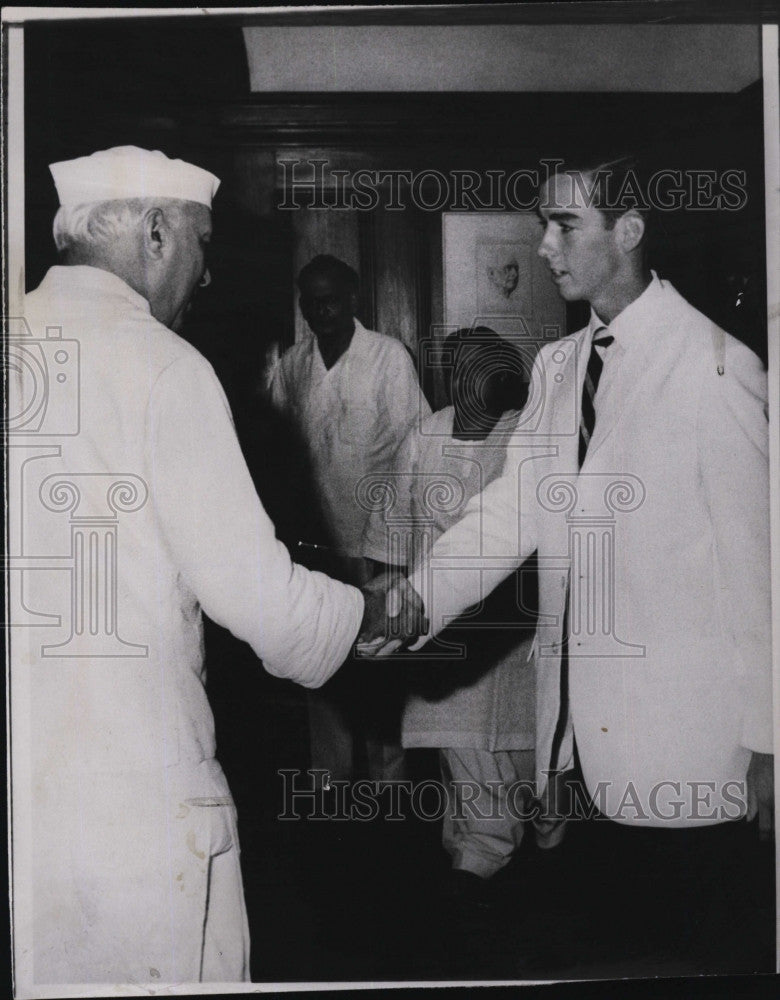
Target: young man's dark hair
[613, 184]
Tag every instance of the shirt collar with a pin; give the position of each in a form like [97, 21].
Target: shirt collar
[91, 280]
[355, 345]
[630, 325]
[358, 337]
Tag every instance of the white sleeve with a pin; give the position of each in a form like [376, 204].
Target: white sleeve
[405, 404]
[301, 624]
[469, 560]
[494, 536]
[733, 460]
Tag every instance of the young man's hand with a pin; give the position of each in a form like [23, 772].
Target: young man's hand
[761, 793]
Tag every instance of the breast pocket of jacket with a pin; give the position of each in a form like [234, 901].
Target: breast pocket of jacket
[358, 426]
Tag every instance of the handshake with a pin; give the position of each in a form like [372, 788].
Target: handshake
[393, 617]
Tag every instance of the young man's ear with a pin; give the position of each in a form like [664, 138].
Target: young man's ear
[156, 232]
[354, 302]
[631, 230]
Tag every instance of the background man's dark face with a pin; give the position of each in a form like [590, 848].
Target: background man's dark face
[327, 306]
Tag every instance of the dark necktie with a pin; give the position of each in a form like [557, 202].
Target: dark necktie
[587, 424]
[589, 388]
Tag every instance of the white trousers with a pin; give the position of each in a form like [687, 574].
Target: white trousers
[137, 885]
[489, 795]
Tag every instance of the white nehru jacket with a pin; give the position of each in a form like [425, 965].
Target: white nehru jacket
[137, 511]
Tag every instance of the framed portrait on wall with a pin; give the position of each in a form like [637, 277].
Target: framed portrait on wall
[494, 277]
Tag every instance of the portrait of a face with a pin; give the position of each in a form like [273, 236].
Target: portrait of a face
[505, 276]
[503, 272]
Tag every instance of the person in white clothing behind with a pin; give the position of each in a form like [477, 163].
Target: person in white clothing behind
[146, 498]
[647, 503]
[475, 703]
[353, 395]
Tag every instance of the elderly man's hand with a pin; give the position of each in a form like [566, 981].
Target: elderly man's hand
[394, 615]
[761, 793]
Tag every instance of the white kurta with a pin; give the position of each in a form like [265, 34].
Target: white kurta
[352, 417]
[484, 700]
[124, 782]
[667, 523]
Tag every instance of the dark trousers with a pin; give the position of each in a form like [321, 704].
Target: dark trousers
[355, 722]
[705, 894]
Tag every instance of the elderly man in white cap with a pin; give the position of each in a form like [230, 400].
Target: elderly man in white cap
[148, 502]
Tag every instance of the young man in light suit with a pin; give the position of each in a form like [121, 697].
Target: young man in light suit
[646, 501]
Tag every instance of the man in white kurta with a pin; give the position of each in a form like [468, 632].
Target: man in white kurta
[353, 394]
[476, 701]
[149, 509]
[353, 416]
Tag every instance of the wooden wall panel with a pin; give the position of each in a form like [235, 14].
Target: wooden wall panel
[397, 276]
[253, 180]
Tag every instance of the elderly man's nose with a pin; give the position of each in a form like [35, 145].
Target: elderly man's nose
[205, 280]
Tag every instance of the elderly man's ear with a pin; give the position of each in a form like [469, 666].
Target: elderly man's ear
[156, 233]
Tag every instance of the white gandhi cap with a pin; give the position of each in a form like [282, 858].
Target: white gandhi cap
[130, 172]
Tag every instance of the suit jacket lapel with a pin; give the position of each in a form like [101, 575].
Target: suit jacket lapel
[565, 400]
[641, 337]
[611, 399]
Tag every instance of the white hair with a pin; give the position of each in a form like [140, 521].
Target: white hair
[98, 224]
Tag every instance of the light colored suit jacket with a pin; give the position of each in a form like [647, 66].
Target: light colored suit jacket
[662, 542]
